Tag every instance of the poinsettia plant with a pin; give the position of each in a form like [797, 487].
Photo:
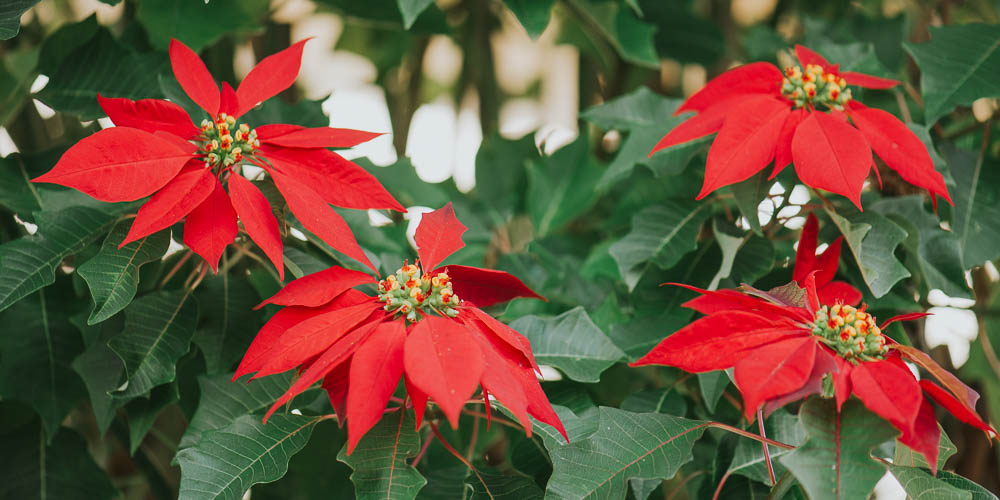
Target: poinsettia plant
[299, 249]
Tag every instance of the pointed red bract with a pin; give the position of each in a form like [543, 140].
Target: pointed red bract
[823, 364]
[228, 101]
[485, 287]
[830, 154]
[149, 115]
[211, 226]
[774, 370]
[925, 436]
[964, 393]
[904, 317]
[713, 301]
[171, 203]
[318, 288]
[805, 254]
[498, 360]
[255, 213]
[375, 370]
[745, 143]
[336, 384]
[783, 149]
[808, 56]
[492, 328]
[270, 76]
[888, 389]
[868, 81]
[704, 123]
[194, 77]
[438, 236]
[749, 79]
[317, 217]
[839, 292]
[900, 149]
[118, 164]
[825, 265]
[956, 407]
[444, 362]
[321, 137]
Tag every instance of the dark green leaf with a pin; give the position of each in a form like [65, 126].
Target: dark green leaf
[196, 24]
[749, 194]
[113, 274]
[631, 38]
[835, 462]
[712, 384]
[501, 171]
[532, 14]
[36, 350]
[385, 14]
[228, 461]
[873, 239]
[976, 220]
[625, 446]
[411, 9]
[503, 487]
[102, 372]
[30, 262]
[230, 322]
[978, 492]
[64, 41]
[957, 66]
[158, 330]
[571, 342]
[561, 186]
[142, 413]
[17, 73]
[10, 16]
[379, 460]
[17, 193]
[748, 459]
[919, 484]
[660, 235]
[904, 455]
[64, 469]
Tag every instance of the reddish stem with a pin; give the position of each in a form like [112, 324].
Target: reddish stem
[767, 453]
[453, 451]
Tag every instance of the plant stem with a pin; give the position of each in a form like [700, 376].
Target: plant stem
[453, 451]
[741, 432]
[767, 453]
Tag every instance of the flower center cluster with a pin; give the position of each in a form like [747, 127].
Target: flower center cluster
[408, 291]
[224, 144]
[850, 332]
[815, 86]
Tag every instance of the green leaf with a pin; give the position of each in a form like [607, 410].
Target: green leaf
[835, 462]
[411, 9]
[681, 35]
[630, 37]
[754, 260]
[532, 14]
[503, 487]
[957, 66]
[105, 66]
[224, 335]
[142, 413]
[872, 240]
[158, 330]
[401, 180]
[386, 15]
[978, 492]
[64, 41]
[113, 274]
[30, 262]
[17, 73]
[937, 252]
[36, 349]
[379, 460]
[197, 23]
[749, 194]
[919, 484]
[570, 342]
[625, 446]
[223, 401]
[712, 385]
[729, 245]
[562, 186]
[904, 455]
[17, 193]
[228, 461]
[976, 220]
[64, 469]
[660, 235]
[501, 171]
[748, 459]
[10, 16]
[101, 370]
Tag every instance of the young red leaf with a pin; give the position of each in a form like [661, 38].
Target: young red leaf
[832, 155]
[418, 397]
[717, 342]
[904, 317]
[900, 149]
[489, 326]
[444, 362]
[945, 399]
[964, 393]
[805, 255]
[318, 288]
[868, 81]
[255, 212]
[823, 364]
[270, 131]
[376, 368]
[706, 122]
[335, 384]
[753, 78]
[538, 404]
[842, 386]
[313, 336]
[499, 359]
[783, 149]
[150, 115]
[840, 292]
[773, 370]
[485, 287]
[194, 77]
[827, 262]
[438, 236]
[211, 226]
[228, 103]
[316, 216]
[888, 389]
[925, 436]
[745, 143]
[340, 182]
[321, 137]
[807, 56]
[272, 75]
[710, 302]
[118, 164]
[168, 205]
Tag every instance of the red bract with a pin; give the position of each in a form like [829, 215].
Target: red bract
[154, 149]
[420, 327]
[801, 116]
[825, 264]
[781, 348]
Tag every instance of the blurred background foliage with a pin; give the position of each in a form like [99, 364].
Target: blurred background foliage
[535, 118]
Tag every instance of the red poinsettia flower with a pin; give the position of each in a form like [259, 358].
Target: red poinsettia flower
[155, 149]
[781, 344]
[802, 116]
[425, 327]
[825, 265]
